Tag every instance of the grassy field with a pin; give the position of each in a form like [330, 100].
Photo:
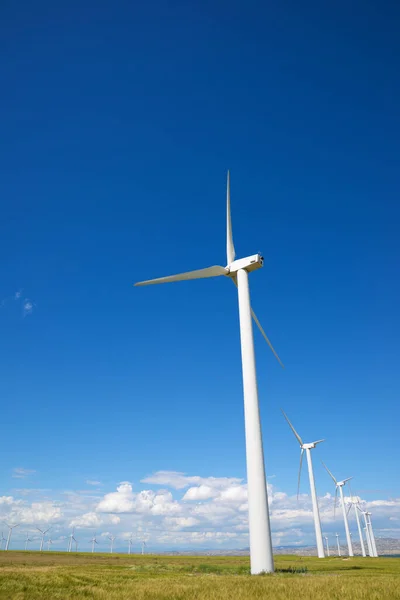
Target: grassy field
[53, 575]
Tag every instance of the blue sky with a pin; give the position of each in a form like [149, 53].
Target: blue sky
[119, 123]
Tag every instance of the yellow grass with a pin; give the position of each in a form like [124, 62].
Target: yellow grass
[54, 576]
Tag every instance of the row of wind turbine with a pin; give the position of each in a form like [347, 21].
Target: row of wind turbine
[354, 501]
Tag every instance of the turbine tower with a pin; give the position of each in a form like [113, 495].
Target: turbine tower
[49, 543]
[307, 448]
[339, 485]
[354, 501]
[94, 541]
[261, 557]
[10, 529]
[43, 534]
[338, 545]
[327, 546]
[143, 546]
[2, 539]
[130, 542]
[112, 538]
[371, 534]
[367, 535]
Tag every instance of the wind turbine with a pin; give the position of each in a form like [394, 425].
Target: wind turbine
[338, 545]
[112, 538]
[371, 534]
[143, 546]
[340, 484]
[43, 534]
[26, 541]
[367, 534]
[130, 542]
[10, 528]
[94, 541]
[71, 537]
[261, 557]
[307, 448]
[355, 503]
[2, 539]
[327, 546]
[49, 542]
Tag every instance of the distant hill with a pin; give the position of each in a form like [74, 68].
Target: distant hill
[385, 547]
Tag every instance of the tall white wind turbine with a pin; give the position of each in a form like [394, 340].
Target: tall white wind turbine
[317, 521]
[261, 557]
[143, 546]
[10, 530]
[2, 539]
[43, 532]
[130, 542]
[339, 485]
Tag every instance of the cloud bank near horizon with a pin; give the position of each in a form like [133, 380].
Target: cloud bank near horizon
[179, 510]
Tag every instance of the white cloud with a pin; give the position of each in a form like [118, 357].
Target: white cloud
[93, 482]
[120, 501]
[20, 473]
[202, 492]
[194, 511]
[179, 480]
[27, 307]
[92, 519]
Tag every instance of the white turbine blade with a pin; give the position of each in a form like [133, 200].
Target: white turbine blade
[298, 479]
[215, 271]
[329, 473]
[348, 479]
[318, 441]
[349, 509]
[292, 428]
[230, 249]
[257, 322]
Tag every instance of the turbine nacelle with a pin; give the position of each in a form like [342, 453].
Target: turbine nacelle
[250, 263]
[311, 445]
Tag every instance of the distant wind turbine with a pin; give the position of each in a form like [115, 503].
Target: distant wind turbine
[317, 521]
[2, 539]
[43, 534]
[27, 540]
[327, 546]
[10, 529]
[112, 538]
[338, 545]
[371, 533]
[339, 485]
[130, 542]
[354, 501]
[143, 546]
[94, 541]
[261, 557]
[71, 538]
[49, 543]
[370, 552]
